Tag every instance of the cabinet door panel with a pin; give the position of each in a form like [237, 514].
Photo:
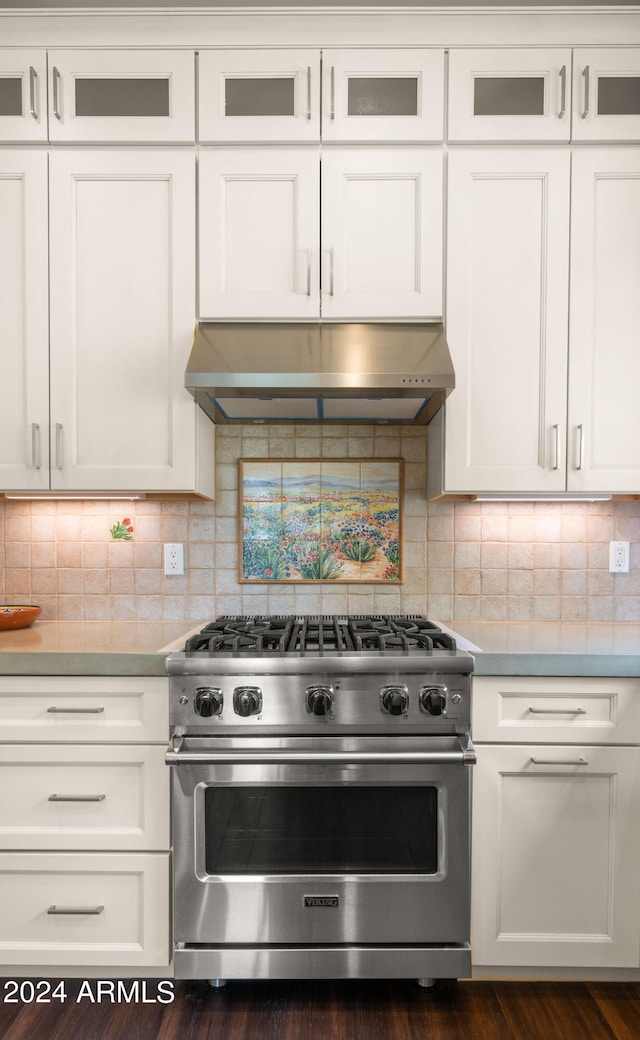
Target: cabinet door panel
[107, 95]
[604, 369]
[259, 231]
[509, 95]
[556, 856]
[23, 95]
[383, 95]
[606, 90]
[125, 896]
[256, 95]
[24, 333]
[90, 797]
[506, 319]
[382, 233]
[122, 315]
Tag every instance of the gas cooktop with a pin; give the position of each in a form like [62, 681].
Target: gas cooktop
[318, 634]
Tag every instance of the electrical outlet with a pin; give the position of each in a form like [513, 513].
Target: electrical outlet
[619, 557]
[174, 558]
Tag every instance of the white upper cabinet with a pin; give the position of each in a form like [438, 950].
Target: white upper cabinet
[604, 369]
[382, 95]
[122, 319]
[506, 320]
[121, 95]
[259, 95]
[381, 233]
[24, 329]
[23, 95]
[510, 95]
[259, 228]
[606, 91]
[266, 252]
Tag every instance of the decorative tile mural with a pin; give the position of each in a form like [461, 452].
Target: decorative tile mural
[320, 520]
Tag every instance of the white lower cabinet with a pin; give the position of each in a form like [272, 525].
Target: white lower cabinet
[92, 909]
[84, 824]
[556, 842]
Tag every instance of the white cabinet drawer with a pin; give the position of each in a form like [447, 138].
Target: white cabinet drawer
[93, 797]
[549, 709]
[86, 709]
[84, 909]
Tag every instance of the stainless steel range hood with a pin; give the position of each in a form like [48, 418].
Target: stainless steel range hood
[277, 372]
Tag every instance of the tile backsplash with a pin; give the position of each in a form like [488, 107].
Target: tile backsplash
[464, 561]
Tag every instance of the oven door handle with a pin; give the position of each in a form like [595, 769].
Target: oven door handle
[466, 756]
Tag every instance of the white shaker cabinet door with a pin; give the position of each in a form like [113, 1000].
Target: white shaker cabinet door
[23, 94]
[259, 95]
[382, 233]
[122, 316]
[259, 233]
[556, 856]
[506, 320]
[24, 332]
[606, 94]
[604, 360]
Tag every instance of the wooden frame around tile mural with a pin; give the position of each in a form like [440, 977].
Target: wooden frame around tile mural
[312, 520]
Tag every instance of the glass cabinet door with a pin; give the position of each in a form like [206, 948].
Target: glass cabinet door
[123, 96]
[383, 95]
[271, 95]
[606, 90]
[23, 95]
[509, 95]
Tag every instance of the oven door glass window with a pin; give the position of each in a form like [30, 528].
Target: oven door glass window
[328, 830]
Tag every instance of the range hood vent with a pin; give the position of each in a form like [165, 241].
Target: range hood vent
[344, 373]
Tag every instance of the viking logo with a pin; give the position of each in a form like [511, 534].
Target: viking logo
[322, 901]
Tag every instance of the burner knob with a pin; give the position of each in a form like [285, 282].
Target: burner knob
[208, 701]
[394, 700]
[247, 700]
[320, 700]
[433, 699]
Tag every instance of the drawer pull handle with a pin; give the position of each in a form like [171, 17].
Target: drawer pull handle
[558, 711]
[563, 92]
[559, 761]
[56, 93]
[77, 797]
[94, 910]
[33, 92]
[74, 711]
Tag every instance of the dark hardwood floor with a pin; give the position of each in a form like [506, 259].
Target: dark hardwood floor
[327, 1010]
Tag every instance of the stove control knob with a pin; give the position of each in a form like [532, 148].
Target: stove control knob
[433, 700]
[208, 701]
[319, 700]
[247, 700]
[394, 700]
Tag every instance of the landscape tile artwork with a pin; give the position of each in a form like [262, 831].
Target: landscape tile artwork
[320, 520]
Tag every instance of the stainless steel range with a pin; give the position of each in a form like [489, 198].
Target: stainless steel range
[320, 799]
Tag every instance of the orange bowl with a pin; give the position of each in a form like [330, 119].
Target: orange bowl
[18, 616]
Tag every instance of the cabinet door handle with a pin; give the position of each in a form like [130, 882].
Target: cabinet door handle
[585, 109]
[559, 761]
[580, 452]
[35, 445]
[556, 441]
[59, 445]
[77, 797]
[308, 92]
[558, 711]
[563, 92]
[332, 113]
[33, 92]
[56, 93]
[53, 710]
[308, 272]
[331, 271]
[94, 910]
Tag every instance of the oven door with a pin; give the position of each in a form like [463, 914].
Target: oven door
[321, 841]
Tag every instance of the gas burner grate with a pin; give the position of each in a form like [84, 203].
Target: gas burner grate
[319, 633]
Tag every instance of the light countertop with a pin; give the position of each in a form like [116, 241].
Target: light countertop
[551, 648]
[90, 647]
